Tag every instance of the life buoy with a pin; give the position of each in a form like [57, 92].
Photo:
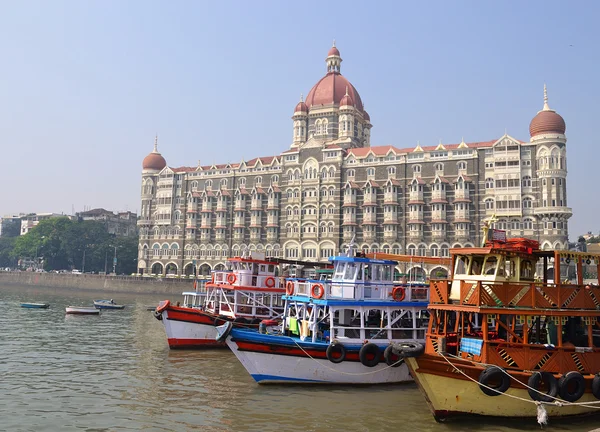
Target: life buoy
[270, 282]
[571, 386]
[391, 358]
[596, 386]
[493, 381]
[369, 354]
[231, 278]
[336, 352]
[289, 288]
[398, 293]
[317, 291]
[163, 305]
[536, 380]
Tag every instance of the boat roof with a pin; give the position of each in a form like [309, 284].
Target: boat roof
[342, 258]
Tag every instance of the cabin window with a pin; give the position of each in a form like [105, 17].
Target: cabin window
[526, 270]
[271, 268]
[349, 275]
[476, 266]
[462, 263]
[491, 263]
[262, 268]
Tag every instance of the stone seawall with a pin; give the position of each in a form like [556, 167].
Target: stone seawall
[118, 284]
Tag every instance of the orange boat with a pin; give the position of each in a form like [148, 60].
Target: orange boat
[504, 342]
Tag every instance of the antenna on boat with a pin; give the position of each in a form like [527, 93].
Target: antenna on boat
[486, 228]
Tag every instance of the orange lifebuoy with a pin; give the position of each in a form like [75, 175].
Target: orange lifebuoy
[231, 278]
[289, 288]
[317, 291]
[270, 282]
[212, 279]
[398, 293]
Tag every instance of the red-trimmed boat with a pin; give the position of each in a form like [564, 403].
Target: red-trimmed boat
[248, 291]
[503, 342]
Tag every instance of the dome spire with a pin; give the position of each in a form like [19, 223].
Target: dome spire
[155, 144]
[301, 97]
[546, 107]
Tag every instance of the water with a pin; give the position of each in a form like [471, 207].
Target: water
[115, 372]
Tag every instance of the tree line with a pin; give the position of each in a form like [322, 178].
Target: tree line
[64, 244]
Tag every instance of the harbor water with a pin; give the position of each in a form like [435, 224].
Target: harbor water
[115, 372]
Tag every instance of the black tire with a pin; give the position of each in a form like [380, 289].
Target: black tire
[596, 386]
[223, 331]
[158, 315]
[490, 375]
[573, 380]
[391, 358]
[336, 352]
[408, 349]
[367, 350]
[534, 382]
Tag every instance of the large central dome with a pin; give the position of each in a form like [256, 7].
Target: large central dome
[333, 87]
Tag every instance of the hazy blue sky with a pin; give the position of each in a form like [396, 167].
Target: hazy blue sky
[85, 85]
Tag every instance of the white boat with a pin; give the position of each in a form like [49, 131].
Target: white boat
[337, 331]
[107, 304]
[82, 310]
[35, 305]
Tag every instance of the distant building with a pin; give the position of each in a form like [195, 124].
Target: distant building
[120, 224]
[8, 220]
[31, 220]
[331, 187]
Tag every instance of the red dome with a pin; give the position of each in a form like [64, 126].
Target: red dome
[346, 100]
[301, 107]
[333, 51]
[154, 161]
[331, 89]
[547, 121]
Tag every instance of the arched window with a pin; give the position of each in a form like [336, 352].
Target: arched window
[412, 250]
[208, 183]
[527, 203]
[350, 173]
[242, 181]
[489, 203]
[422, 250]
[258, 180]
[462, 165]
[444, 251]
[391, 170]
[223, 183]
[325, 127]
[527, 181]
[434, 250]
[528, 224]
[489, 183]
[371, 172]
[318, 127]
[439, 167]
[417, 169]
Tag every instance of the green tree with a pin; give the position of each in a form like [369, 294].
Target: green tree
[12, 228]
[7, 245]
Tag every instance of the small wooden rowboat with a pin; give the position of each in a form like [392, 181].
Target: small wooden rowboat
[82, 310]
[107, 304]
[35, 305]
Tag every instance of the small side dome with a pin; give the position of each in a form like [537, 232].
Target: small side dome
[333, 51]
[366, 116]
[154, 161]
[346, 100]
[301, 107]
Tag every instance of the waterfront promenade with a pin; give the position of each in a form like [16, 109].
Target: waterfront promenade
[89, 282]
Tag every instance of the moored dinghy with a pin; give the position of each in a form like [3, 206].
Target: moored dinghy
[82, 310]
[35, 305]
[107, 304]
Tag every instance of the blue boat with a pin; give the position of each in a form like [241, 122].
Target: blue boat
[107, 304]
[338, 330]
[35, 305]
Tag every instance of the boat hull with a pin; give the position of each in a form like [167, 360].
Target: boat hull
[450, 394]
[82, 311]
[273, 362]
[190, 329]
[35, 305]
[109, 306]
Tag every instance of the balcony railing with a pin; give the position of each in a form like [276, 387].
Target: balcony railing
[371, 290]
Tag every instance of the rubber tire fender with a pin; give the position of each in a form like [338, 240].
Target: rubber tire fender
[493, 373]
[408, 349]
[566, 381]
[365, 350]
[334, 348]
[392, 359]
[596, 386]
[534, 381]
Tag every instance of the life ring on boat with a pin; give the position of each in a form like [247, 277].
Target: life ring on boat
[289, 288]
[317, 291]
[163, 305]
[231, 278]
[398, 293]
[369, 354]
[596, 386]
[535, 380]
[391, 358]
[571, 386]
[270, 282]
[493, 381]
[336, 352]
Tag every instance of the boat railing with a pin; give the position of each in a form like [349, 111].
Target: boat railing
[243, 279]
[534, 295]
[373, 290]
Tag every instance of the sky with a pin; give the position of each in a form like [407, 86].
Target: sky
[86, 85]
